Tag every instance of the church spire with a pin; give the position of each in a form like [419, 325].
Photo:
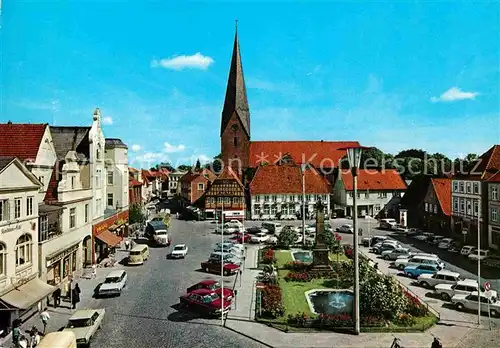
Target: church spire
[236, 95]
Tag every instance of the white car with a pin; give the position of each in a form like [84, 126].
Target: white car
[84, 324]
[416, 260]
[346, 228]
[467, 249]
[179, 251]
[226, 229]
[259, 238]
[273, 240]
[400, 229]
[445, 243]
[235, 223]
[462, 287]
[230, 245]
[482, 255]
[310, 229]
[471, 302]
[424, 236]
[113, 284]
[396, 253]
[441, 277]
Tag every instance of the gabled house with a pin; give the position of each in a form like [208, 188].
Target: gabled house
[437, 207]
[493, 185]
[379, 192]
[194, 184]
[413, 200]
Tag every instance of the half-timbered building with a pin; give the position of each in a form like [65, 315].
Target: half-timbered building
[226, 195]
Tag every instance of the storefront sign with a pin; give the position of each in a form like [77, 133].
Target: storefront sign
[10, 228]
[57, 257]
[117, 219]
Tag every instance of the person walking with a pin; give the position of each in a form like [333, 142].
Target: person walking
[75, 298]
[16, 333]
[127, 244]
[94, 271]
[44, 317]
[57, 297]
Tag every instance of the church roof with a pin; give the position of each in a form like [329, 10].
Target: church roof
[287, 179]
[236, 95]
[321, 154]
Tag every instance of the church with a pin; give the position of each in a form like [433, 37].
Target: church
[268, 179]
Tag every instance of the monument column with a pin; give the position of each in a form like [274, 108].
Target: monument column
[321, 261]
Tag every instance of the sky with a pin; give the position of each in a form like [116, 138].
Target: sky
[391, 74]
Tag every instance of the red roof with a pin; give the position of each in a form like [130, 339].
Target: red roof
[372, 179]
[133, 182]
[269, 179]
[490, 162]
[321, 154]
[229, 174]
[495, 177]
[51, 194]
[21, 140]
[442, 187]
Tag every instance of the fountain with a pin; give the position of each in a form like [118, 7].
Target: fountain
[305, 256]
[330, 301]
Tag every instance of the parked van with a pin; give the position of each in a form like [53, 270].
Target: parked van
[387, 224]
[273, 227]
[138, 254]
[156, 232]
[60, 339]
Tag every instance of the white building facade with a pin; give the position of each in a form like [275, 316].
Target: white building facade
[466, 203]
[117, 175]
[494, 212]
[19, 259]
[287, 206]
[173, 182]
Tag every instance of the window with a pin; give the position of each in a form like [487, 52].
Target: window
[461, 187]
[98, 204]
[284, 209]
[266, 198]
[17, 208]
[469, 208]
[468, 187]
[236, 200]
[3, 260]
[98, 154]
[462, 206]
[455, 186]
[266, 210]
[43, 228]
[110, 178]
[435, 209]
[23, 250]
[494, 193]
[29, 206]
[235, 140]
[351, 194]
[382, 195]
[274, 209]
[367, 195]
[256, 209]
[455, 204]
[494, 214]
[72, 182]
[476, 208]
[359, 194]
[219, 200]
[476, 188]
[308, 198]
[201, 186]
[426, 206]
[110, 199]
[86, 213]
[98, 179]
[72, 217]
[274, 198]
[227, 200]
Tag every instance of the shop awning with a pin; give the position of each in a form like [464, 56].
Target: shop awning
[109, 238]
[26, 295]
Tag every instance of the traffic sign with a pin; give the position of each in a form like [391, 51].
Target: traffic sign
[487, 286]
[464, 232]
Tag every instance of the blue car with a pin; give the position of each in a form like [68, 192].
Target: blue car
[415, 271]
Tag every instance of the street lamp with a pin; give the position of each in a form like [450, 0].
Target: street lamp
[354, 157]
[303, 167]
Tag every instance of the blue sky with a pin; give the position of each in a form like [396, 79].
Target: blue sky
[394, 75]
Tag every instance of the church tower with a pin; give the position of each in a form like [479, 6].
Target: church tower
[235, 125]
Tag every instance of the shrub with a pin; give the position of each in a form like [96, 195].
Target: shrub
[297, 266]
[300, 320]
[268, 256]
[271, 302]
[287, 237]
[348, 251]
[415, 307]
[404, 319]
[297, 277]
[371, 320]
[382, 295]
[333, 321]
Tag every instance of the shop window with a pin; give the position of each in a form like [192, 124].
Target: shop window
[23, 250]
[66, 267]
[73, 263]
[3, 260]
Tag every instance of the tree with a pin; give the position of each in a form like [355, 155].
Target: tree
[165, 165]
[382, 295]
[184, 168]
[135, 215]
[372, 158]
[287, 237]
[216, 165]
[197, 166]
[332, 240]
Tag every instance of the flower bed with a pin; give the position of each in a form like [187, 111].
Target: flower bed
[272, 302]
[268, 256]
[297, 266]
[298, 277]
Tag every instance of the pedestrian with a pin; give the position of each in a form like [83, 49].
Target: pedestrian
[57, 297]
[75, 298]
[16, 333]
[127, 244]
[44, 317]
[94, 271]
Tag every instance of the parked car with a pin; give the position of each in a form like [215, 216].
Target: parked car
[213, 266]
[455, 247]
[418, 259]
[465, 287]
[229, 244]
[474, 300]
[435, 240]
[478, 255]
[273, 240]
[310, 229]
[227, 257]
[113, 284]
[256, 229]
[424, 236]
[440, 277]
[206, 302]
[212, 285]
[377, 239]
[400, 229]
[445, 243]
[259, 238]
[241, 238]
[226, 229]
[395, 253]
[416, 271]
[179, 251]
[229, 249]
[346, 228]
[492, 261]
[412, 231]
[84, 323]
[467, 249]
[386, 246]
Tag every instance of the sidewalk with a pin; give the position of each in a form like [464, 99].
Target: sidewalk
[59, 316]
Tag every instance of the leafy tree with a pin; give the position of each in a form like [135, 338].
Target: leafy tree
[382, 296]
[164, 165]
[332, 240]
[372, 158]
[184, 168]
[216, 165]
[416, 153]
[287, 237]
[135, 215]
[197, 166]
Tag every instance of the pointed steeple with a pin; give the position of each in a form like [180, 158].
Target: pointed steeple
[236, 94]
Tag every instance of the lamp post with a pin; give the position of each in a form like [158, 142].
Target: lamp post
[303, 170]
[354, 157]
[222, 264]
[479, 261]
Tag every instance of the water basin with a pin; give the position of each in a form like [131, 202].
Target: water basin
[330, 301]
[302, 256]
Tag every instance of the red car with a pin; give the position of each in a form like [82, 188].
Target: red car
[212, 266]
[205, 301]
[238, 238]
[213, 286]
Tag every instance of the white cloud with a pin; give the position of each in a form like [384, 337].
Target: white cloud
[453, 94]
[136, 148]
[107, 120]
[195, 61]
[169, 148]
